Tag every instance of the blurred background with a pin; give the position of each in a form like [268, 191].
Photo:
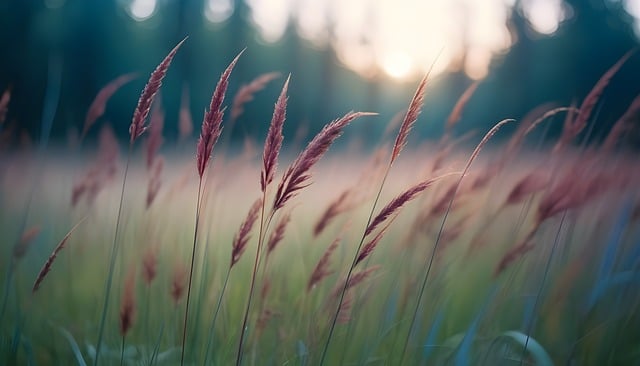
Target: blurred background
[343, 55]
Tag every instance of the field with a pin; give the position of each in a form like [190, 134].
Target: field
[523, 252]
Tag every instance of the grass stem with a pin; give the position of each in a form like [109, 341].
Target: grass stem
[112, 262]
[193, 257]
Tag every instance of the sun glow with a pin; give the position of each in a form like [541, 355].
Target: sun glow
[397, 65]
[398, 38]
[403, 39]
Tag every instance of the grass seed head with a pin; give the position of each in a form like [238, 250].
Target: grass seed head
[212, 122]
[149, 92]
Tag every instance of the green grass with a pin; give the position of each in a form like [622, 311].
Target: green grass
[584, 314]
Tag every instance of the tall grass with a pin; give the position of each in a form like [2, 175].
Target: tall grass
[524, 257]
[137, 128]
[211, 130]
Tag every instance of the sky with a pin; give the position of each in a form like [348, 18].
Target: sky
[402, 39]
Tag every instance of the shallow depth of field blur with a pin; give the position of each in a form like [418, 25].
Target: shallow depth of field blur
[530, 258]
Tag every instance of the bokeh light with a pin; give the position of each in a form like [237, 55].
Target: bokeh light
[142, 9]
[217, 11]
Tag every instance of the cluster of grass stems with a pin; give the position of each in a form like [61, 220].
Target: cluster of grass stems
[436, 255]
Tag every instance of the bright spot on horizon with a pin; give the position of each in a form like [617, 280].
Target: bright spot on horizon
[217, 11]
[142, 9]
[397, 65]
[401, 39]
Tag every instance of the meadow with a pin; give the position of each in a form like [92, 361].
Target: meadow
[519, 252]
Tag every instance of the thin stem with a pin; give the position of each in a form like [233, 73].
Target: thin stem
[112, 262]
[253, 275]
[426, 276]
[474, 154]
[353, 265]
[215, 317]
[544, 279]
[146, 313]
[122, 351]
[193, 257]
[204, 274]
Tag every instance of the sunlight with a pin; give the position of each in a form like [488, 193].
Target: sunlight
[403, 38]
[397, 65]
[397, 38]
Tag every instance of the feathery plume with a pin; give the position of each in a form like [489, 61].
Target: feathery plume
[278, 234]
[529, 122]
[525, 125]
[25, 241]
[178, 283]
[128, 303]
[355, 195]
[274, 139]
[440, 206]
[456, 113]
[368, 248]
[415, 107]
[266, 288]
[98, 106]
[103, 169]
[297, 176]
[528, 185]
[212, 123]
[4, 104]
[622, 125]
[398, 202]
[141, 112]
[339, 205]
[344, 313]
[47, 265]
[321, 271]
[246, 92]
[512, 255]
[452, 233]
[155, 181]
[263, 320]
[150, 265]
[241, 239]
[355, 279]
[574, 190]
[573, 128]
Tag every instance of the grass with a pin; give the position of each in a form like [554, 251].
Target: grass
[531, 256]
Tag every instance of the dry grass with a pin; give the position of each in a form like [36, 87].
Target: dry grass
[555, 228]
